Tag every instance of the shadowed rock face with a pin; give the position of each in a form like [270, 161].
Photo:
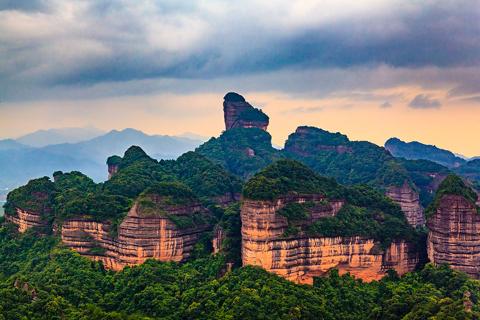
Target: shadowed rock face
[139, 238]
[112, 169]
[409, 201]
[454, 236]
[240, 114]
[300, 258]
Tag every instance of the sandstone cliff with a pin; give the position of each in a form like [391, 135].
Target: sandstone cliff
[300, 258]
[26, 220]
[140, 236]
[240, 114]
[409, 201]
[454, 236]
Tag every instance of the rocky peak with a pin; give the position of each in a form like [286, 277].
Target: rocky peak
[240, 114]
[454, 227]
[113, 164]
[409, 200]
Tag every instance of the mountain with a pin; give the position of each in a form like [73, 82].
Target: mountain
[190, 249]
[10, 144]
[19, 164]
[43, 138]
[416, 150]
[471, 171]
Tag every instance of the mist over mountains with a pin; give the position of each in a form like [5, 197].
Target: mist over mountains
[21, 160]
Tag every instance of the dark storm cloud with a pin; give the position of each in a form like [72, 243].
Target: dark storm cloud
[23, 5]
[89, 43]
[423, 101]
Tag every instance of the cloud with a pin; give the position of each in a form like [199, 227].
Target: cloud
[385, 105]
[48, 44]
[423, 101]
[305, 110]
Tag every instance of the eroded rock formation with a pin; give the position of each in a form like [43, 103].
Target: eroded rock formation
[409, 201]
[300, 258]
[454, 236]
[240, 114]
[140, 237]
[26, 220]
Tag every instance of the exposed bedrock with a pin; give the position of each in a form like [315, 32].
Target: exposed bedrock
[300, 258]
[454, 236]
[409, 202]
[139, 238]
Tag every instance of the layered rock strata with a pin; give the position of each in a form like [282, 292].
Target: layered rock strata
[409, 202]
[300, 258]
[240, 114]
[454, 235]
[26, 220]
[139, 238]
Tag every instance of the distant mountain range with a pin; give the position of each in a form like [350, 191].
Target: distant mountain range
[42, 138]
[21, 161]
[419, 151]
[467, 167]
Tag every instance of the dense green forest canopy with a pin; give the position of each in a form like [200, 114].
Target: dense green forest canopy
[39, 279]
[288, 176]
[253, 114]
[231, 151]
[349, 162]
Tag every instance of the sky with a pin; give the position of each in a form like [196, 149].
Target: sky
[370, 69]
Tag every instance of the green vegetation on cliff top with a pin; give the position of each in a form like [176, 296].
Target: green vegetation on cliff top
[73, 194]
[349, 162]
[451, 185]
[232, 151]
[366, 213]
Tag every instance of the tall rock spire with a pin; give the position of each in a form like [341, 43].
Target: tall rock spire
[240, 114]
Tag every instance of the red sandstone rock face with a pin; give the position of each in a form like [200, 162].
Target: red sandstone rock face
[454, 236]
[139, 238]
[409, 201]
[112, 169]
[218, 238]
[26, 220]
[301, 258]
[232, 111]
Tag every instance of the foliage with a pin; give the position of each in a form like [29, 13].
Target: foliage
[294, 211]
[284, 177]
[231, 224]
[230, 150]
[35, 196]
[114, 160]
[41, 280]
[452, 185]
[349, 162]
[367, 212]
[208, 180]
[253, 114]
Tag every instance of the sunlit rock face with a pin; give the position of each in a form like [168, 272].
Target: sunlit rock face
[240, 114]
[26, 220]
[300, 258]
[140, 237]
[454, 236]
[409, 202]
